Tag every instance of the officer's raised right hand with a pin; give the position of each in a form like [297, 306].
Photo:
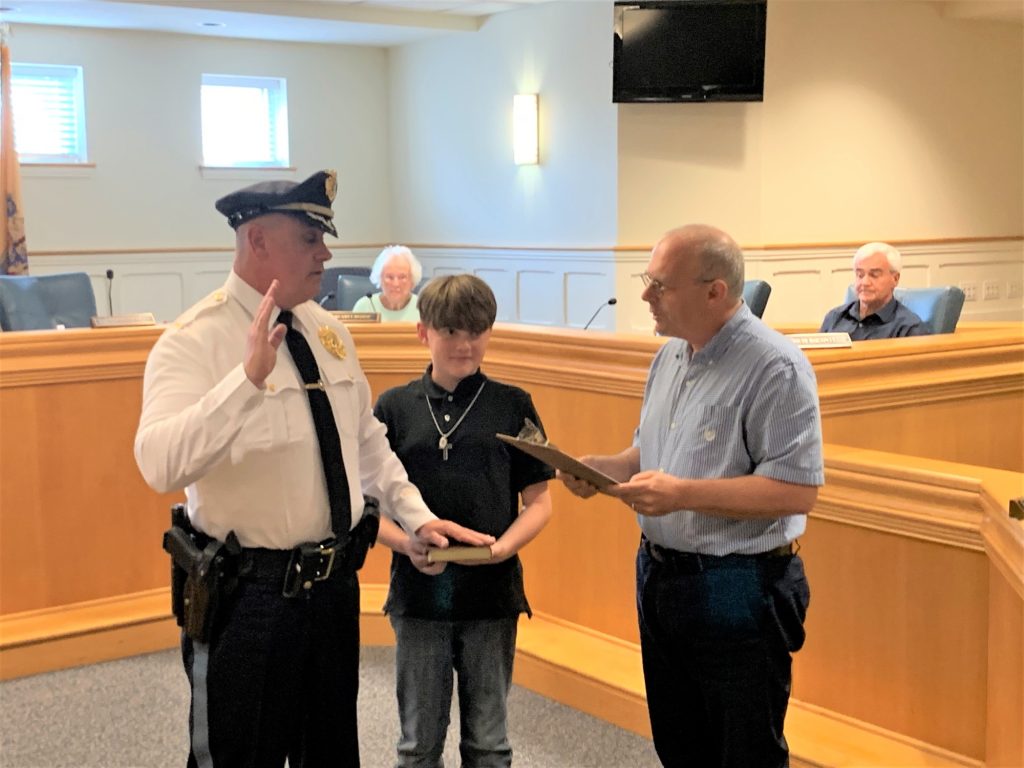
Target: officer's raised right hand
[261, 344]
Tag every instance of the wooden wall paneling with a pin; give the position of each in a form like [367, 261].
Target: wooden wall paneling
[956, 397]
[894, 623]
[1004, 544]
[899, 626]
[78, 522]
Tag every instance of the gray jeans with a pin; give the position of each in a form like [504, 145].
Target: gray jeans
[481, 653]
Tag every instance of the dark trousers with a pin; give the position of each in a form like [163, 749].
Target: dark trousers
[716, 635]
[278, 679]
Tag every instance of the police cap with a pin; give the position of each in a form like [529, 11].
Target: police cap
[310, 200]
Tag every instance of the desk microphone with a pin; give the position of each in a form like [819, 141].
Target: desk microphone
[610, 303]
[110, 290]
[326, 298]
[369, 295]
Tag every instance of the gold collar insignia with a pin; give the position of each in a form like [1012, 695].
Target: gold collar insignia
[331, 341]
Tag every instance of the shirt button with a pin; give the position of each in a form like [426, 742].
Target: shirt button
[709, 435]
[450, 398]
[272, 387]
[447, 417]
[672, 425]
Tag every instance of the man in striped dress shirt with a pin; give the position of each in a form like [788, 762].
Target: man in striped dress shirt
[723, 469]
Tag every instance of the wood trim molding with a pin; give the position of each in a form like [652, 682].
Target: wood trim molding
[902, 372]
[869, 490]
[30, 358]
[1004, 542]
[619, 248]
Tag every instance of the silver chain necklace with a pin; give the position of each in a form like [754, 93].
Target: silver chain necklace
[443, 445]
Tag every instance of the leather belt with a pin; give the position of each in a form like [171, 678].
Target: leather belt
[694, 562]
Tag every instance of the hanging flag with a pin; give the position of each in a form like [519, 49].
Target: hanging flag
[14, 259]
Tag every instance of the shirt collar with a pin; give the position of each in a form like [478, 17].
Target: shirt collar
[886, 314]
[243, 293]
[467, 387]
[720, 342]
[250, 300]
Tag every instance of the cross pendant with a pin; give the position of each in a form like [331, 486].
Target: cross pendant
[442, 444]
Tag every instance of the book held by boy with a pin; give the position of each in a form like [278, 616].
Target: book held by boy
[458, 554]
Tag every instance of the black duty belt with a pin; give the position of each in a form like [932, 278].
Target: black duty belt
[300, 569]
[694, 562]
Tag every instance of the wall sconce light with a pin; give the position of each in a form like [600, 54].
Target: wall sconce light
[525, 129]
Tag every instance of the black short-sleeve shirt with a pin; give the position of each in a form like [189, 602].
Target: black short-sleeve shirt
[477, 486]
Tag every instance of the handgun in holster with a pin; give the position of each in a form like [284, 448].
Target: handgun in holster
[364, 535]
[204, 572]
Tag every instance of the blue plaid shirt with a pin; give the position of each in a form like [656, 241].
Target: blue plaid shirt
[745, 404]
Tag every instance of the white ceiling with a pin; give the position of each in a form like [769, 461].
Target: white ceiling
[355, 22]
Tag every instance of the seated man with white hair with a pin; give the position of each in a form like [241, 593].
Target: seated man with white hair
[875, 313]
[396, 272]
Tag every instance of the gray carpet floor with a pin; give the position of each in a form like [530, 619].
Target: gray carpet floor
[133, 713]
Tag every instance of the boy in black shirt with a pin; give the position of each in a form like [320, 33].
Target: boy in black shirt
[461, 618]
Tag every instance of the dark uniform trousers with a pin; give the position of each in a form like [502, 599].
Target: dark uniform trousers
[279, 678]
[716, 636]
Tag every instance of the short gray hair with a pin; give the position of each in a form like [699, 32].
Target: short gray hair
[396, 251]
[722, 259]
[891, 255]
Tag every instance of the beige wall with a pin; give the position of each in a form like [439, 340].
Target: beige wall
[143, 122]
[880, 120]
[454, 177]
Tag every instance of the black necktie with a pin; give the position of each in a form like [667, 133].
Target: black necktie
[326, 429]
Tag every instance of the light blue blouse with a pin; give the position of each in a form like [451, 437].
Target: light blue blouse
[410, 313]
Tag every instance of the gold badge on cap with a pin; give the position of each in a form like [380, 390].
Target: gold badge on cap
[332, 343]
[331, 185]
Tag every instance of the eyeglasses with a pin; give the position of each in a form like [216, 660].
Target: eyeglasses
[659, 287]
[650, 282]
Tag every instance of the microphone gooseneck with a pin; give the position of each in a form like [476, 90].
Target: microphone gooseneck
[110, 291]
[369, 295]
[610, 303]
[326, 298]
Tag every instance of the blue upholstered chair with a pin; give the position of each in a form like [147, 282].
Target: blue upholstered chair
[939, 308]
[327, 296]
[755, 294]
[36, 302]
[351, 288]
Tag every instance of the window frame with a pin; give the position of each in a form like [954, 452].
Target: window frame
[277, 137]
[72, 79]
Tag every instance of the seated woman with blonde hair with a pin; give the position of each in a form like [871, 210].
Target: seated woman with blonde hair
[396, 272]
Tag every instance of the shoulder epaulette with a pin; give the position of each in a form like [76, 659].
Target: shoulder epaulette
[213, 301]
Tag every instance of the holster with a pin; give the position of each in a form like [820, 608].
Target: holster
[364, 535]
[204, 573]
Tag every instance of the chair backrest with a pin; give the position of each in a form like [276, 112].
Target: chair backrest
[755, 294]
[939, 308]
[36, 302]
[329, 284]
[350, 289]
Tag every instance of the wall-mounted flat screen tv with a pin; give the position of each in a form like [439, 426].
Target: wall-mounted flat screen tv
[689, 50]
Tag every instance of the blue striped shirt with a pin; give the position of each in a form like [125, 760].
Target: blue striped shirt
[745, 404]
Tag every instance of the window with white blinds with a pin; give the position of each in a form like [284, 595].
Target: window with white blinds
[245, 121]
[49, 113]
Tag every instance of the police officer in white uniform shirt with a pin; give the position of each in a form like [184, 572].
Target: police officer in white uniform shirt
[275, 444]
